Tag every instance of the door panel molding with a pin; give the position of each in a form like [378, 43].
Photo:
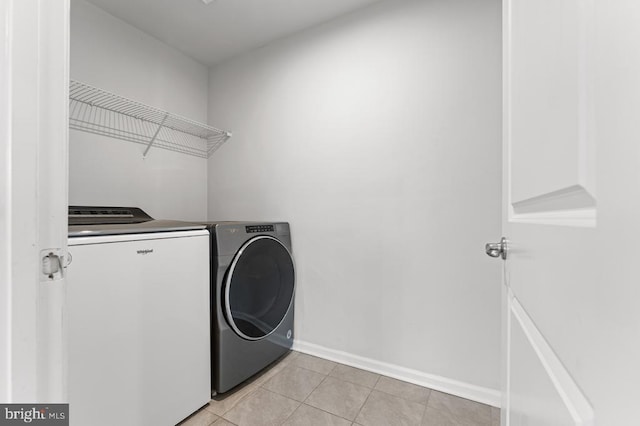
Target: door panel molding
[553, 393]
[548, 110]
[574, 197]
[571, 206]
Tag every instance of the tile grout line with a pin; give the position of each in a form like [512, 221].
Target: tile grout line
[236, 404]
[352, 382]
[292, 413]
[315, 371]
[287, 396]
[426, 406]
[284, 367]
[325, 411]
[298, 402]
[377, 381]
[363, 404]
[247, 385]
[314, 389]
[215, 420]
[408, 400]
[221, 418]
[366, 400]
[402, 397]
[318, 408]
[307, 397]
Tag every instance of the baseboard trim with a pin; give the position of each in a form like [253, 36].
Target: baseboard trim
[454, 387]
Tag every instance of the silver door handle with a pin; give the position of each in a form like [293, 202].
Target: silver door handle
[497, 249]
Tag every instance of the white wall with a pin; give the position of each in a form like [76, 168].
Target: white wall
[377, 136]
[110, 54]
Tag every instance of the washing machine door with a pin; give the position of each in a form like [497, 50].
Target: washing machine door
[259, 287]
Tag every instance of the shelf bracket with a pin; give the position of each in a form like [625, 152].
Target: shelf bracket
[155, 135]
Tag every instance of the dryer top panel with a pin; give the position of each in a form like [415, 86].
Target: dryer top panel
[279, 228]
[228, 237]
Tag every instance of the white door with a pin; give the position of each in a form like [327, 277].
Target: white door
[34, 46]
[572, 212]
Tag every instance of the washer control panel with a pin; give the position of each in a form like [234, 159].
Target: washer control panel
[252, 229]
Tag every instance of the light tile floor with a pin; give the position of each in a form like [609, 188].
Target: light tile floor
[302, 390]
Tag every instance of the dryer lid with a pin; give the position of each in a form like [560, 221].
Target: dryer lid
[89, 221]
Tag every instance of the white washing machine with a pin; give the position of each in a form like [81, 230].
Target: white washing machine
[138, 326]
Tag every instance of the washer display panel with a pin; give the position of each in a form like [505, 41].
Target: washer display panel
[259, 287]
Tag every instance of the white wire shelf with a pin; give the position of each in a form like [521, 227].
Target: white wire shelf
[100, 112]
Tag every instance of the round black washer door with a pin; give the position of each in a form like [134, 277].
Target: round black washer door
[259, 287]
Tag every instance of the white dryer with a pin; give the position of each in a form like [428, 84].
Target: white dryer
[138, 327]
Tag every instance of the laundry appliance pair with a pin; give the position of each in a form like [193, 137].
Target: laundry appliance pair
[251, 290]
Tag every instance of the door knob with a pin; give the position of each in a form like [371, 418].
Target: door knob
[497, 249]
